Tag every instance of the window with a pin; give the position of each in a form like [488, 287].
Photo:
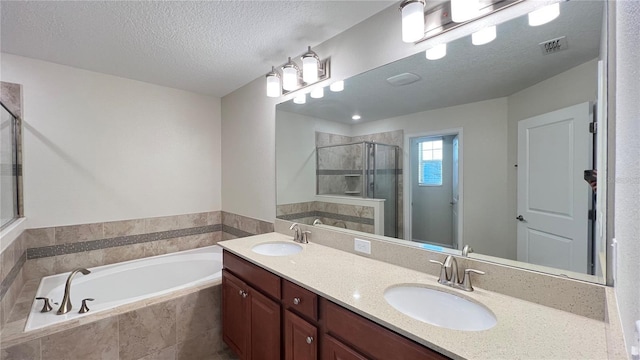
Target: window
[430, 162]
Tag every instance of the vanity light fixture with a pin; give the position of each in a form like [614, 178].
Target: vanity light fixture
[310, 66]
[337, 86]
[289, 76]
[317, 93]
[273, 83]
[440, 16]
[484, 36]
[544, 15]
[464, 10]
[412, 20]
[286, 78]
[356, 117]
[300, 99]
[437, 52]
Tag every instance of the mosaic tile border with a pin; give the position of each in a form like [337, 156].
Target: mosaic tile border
[334, 216]
[15, 270]
[358, 172]
[70, 248]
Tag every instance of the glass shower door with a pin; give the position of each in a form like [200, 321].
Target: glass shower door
[385, 184]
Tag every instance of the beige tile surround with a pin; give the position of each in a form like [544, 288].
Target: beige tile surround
[578, 297]
[17, 300]
[184, 325]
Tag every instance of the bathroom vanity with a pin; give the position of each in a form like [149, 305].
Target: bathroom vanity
[268, 317]
[324, 303]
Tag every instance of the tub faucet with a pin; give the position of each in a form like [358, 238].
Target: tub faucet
[65, 306]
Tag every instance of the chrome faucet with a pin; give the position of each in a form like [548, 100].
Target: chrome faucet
[466, 250]
[65, 306]
[296, 232]
[451, 278]
[300, 236]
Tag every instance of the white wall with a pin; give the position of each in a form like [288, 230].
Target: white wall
[627, 169]
[296, 154]
[100, 148]
[484, 144]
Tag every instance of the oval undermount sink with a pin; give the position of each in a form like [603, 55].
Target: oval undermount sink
[440, 308]
[277, 249]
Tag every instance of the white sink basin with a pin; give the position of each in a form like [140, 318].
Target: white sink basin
[440, 308]
[277, 249]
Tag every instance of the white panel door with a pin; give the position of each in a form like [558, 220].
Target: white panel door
[553, 198]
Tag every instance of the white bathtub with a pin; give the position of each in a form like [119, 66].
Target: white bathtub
[126, 282]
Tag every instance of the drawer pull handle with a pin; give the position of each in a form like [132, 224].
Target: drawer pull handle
[296, 300]
[309, 339]
[243, 293]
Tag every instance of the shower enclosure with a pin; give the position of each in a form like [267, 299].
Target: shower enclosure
[363, 169]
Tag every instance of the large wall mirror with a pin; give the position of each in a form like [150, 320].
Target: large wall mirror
[492, 146]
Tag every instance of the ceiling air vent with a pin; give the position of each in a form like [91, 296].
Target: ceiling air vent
[554, 45]
[403, 79]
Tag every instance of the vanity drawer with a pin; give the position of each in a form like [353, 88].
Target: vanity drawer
[300, 300]
[369, 338]
[258, 277]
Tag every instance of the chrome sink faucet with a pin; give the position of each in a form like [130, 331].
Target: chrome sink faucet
[65, 306]
[449, 274]
[299, 236]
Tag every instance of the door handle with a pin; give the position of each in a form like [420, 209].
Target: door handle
[521, 218]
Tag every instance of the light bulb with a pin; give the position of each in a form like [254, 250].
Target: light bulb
[464, 10]
[544, 15]
[317, 93]
[310, 66]
[484, 36]
[337, 86]
[290, 76]
[300, 99]
[412, 21]
[356, 117]
[436, 52]
[273, 84]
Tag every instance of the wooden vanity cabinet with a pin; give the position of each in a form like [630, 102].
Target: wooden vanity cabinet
[266, 317]
[250, 320]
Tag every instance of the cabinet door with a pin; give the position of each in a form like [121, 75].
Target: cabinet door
[333, 349]
[235, 314]
[300, 338]
[265, 327]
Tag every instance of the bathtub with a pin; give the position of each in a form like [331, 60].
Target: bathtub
[126, 282]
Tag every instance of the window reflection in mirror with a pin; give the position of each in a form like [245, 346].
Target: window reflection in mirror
[519, 120]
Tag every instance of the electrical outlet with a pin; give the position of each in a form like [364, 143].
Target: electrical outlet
[362, 246]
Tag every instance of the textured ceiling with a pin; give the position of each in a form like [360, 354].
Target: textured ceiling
[210, 47]
[512, 62]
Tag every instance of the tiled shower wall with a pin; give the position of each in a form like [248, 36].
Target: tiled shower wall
[352, 217]
[47, 251]
[344, 159]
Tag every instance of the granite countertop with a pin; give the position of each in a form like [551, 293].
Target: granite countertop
[525, 330]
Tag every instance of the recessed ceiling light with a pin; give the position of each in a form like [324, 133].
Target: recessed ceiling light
[403, 79]
[356, 117]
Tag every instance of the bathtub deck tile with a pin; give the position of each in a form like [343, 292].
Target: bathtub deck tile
[165, 354]
[147, 330]
[205, 346]
[95, 341]
[197, 313]
[28, 290]
[28, 350]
